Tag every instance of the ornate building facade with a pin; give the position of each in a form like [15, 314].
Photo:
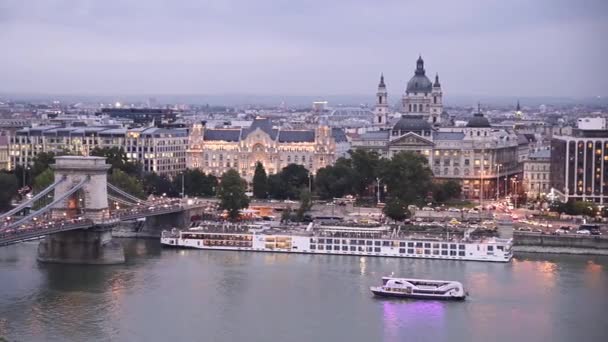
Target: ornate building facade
[483, 159]
[423, 97]
[215, 151]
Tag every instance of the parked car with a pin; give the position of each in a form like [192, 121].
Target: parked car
[583, 232]
[427, 209]
[454, 210]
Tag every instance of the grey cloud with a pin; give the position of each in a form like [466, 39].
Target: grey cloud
[492, 47]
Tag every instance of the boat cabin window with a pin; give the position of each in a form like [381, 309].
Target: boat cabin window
[461, 253]
[377, 243]
[500, 248]
[490, 248]
[321, 240]
[321, 247]
[410, 244]
[444, 245]
[377, 249]
[460, 246]
[453, 246]
[419, 244]
[353, 248]
[444, 252]
[435, 252]
[369, 242]
[329, 241]
[452, 253]
[401, 250]
[313, 246]
[427, 251]
[401, 244]
[345, 248]
[410, 251]
[328, 247]
[386, 243]
[427, 245]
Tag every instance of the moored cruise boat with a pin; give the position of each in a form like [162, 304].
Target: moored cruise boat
[339, 240]
[419, 289]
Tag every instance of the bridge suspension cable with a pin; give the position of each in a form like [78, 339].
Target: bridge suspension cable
[51, 205]
[38, 196]
[125, 194]
[120, 200]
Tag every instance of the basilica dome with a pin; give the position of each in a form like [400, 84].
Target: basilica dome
[419, 83]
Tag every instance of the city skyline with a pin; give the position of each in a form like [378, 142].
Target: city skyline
[275, 48]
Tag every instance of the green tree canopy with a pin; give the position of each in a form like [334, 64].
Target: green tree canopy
[336, 181]
[407, 176]
[41, 163]
[196, 183]
[395, 209]
[117, 157]
[9, 186]
[129, 184]
[305, 204]
[160, 185]
[43, 180]
[366, 166]
[231, 193]
[444, 191]
[260, 182]
[289, 182]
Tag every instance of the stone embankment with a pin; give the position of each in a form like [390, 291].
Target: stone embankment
[560, 244]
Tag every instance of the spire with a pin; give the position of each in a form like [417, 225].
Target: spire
[381, 85]
[518, 109]
[479, 107]
[436, 84]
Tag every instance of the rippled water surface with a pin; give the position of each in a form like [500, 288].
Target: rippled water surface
[193, 295]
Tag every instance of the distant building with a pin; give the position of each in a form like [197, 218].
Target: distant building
[579, 164]
[142, 116]
[537, 174]
[319, 106]
[591, 123]
[4, 156]
[478, 156]
[215, 151]
[158, 150]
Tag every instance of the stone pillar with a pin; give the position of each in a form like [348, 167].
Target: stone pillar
[92, 246]
[75, 169]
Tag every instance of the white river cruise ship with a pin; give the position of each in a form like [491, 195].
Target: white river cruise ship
[340, 240]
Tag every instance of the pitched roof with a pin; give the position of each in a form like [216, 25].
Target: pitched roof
[296, 136]
[263, 124]
[448, 136]
[222, 134]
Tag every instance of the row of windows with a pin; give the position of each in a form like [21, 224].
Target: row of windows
[378, 250]
[388, 243]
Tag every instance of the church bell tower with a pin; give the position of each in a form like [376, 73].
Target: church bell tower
[381, 109]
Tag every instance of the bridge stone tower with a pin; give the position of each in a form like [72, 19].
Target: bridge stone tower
[91, 201]
[93, 245]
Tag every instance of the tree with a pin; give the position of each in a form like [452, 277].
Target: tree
[43, 180]
[260, 182]
[289, 182]
[126, 183]
[9, 186]
[41, 163]
[117, 157]
[335, 181]
[445, 191]
[365, 165]
[160, 185]
[305, 204]
[395, 209]
[231, 193]
[196, 183]
[407, 176]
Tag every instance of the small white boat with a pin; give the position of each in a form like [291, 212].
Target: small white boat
[419, 289]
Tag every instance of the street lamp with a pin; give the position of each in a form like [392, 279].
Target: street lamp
[498, 181]
[378, 179]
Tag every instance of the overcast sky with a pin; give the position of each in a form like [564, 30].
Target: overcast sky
[290, 47]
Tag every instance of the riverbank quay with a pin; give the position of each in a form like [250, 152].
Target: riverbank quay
[533, 242]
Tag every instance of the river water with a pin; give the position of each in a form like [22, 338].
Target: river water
[193, 295]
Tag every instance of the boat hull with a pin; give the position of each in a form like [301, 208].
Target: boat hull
[387, 294]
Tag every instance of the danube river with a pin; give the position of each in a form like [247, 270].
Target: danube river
[193, 295]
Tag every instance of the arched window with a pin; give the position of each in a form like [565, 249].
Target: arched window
[435, 99]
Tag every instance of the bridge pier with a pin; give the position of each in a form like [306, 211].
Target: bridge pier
[93, 246]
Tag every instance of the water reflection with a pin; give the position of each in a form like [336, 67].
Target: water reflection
[400, 316]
